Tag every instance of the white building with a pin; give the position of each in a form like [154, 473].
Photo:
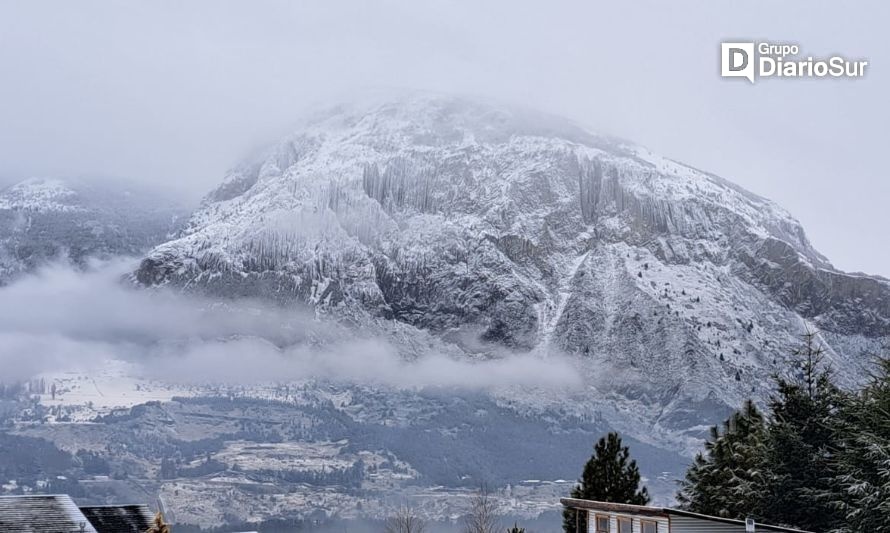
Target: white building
[605, 517]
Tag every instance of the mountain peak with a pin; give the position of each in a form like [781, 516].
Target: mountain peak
[486, 228]
[433, 131]
[432, 118]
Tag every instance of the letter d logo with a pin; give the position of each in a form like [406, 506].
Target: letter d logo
[737, 60]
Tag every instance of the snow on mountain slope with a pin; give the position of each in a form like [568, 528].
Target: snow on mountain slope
[39, 195]
[677, 292]
[48, 219]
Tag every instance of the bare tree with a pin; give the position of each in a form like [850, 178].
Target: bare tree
[481, 517]
[405, 520]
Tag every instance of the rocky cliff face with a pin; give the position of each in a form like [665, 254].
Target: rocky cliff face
[676, 292]
[45, 220]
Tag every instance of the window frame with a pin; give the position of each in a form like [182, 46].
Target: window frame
[596, 526]
[626, 520]
[644, 523]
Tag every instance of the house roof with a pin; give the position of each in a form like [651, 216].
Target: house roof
[119, 518]
[51, 513]
[665, 512]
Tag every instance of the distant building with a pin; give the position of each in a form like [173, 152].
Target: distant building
[119, 518]
[605, 517]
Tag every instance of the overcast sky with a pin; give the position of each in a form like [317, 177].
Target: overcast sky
[175, 92]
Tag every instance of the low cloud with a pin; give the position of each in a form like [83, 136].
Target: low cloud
[62, 319]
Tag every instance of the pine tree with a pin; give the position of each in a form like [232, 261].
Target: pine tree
[864, 461]
[610, 475]
[802, 441]
[515, 529]
[727, 479]
[820, 462]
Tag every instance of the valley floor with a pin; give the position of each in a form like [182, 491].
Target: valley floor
[216, 455]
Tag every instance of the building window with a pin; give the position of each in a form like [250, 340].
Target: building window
[648, 527]
[602, 524]
[625, 525]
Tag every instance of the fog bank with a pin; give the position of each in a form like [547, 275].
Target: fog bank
[62, 319]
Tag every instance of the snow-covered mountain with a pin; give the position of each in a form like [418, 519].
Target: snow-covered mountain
[493, 230]
[44, 220]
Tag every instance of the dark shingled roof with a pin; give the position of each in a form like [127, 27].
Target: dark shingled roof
[42, 514]
[119, 518]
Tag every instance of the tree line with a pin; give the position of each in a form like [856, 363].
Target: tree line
[818, 459]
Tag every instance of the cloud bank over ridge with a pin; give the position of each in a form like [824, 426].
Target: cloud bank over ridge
[62, 319]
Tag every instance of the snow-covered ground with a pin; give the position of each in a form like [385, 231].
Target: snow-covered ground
[111, 385]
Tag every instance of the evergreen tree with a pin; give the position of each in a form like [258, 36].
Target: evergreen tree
[610, 475]
[515, 529]
[802, 443]
[864, 461]
[727, 479]
[820, 462]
